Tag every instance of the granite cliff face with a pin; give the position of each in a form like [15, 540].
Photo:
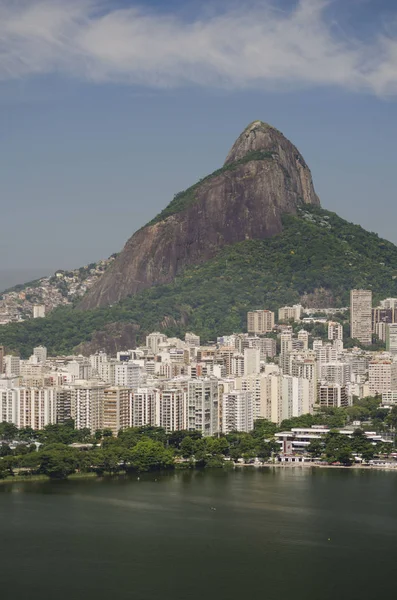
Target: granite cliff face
[264, 176]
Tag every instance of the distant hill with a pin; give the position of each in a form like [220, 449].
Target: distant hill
[60, 289]
[316, 253]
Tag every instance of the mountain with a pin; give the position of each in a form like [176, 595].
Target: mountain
[275, 246]
[317, 258]
[264, 176]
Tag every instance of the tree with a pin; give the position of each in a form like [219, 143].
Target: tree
[187, 447]
[392, 418]
[264, 428]
[315, 448]
[217, 446]
[338, 448]
[5, 450]
[149, 455]
[8, 431]
[57, 461]
[344, 457]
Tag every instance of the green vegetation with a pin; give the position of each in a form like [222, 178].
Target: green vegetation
[143, 449]
[316, 250]
[184, 199]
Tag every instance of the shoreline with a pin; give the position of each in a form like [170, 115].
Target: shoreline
[317, 466]
[77, 476]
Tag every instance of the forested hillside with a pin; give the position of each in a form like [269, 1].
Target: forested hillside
[316, 252]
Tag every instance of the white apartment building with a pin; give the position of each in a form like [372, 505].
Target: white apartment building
[391, 338]
[286, 348]
[297, 396]
[252, 361]
[382, 376]
[332, 395]
[268, 347]
[237, 365]
[290, 312]
[41, 354]
[202, 406]
[389, 398]
[128, 374]
[28, 407]
[107, 372]
[192, 340]
[96, 360]
[260, 321]
[361, 316]
[114, 400]
[144, 406]
[238, 411]
[256, 385]
[79, 369]
[171, 410]
[303, 337]
[87, 404]
[335, 372]
[335, 331]
[12, 365]
[154, 340]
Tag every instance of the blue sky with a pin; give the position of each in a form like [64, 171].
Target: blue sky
[107, 109]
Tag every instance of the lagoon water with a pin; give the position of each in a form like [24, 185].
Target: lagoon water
[252, 533]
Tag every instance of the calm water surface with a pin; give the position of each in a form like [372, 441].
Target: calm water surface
[275, 534]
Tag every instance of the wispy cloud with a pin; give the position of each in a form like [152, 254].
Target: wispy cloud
[253, 45]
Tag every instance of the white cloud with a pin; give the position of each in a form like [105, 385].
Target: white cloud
[253, 45]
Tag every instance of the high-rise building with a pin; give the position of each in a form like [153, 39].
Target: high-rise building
[87, 404]
[286, 313]
[380, 329]
[144, 406]
[202, 406]
[154, 340]
[391, 338]
[113, 400]
[286, 348]
[12, 365]
[170, 410]
[297, 395]
[260, 321]
[335, 331]
[1, 359]
[335, 372]
[332, 395]
[268, 347]
[382, 376]
[303, 337]
[237, 411]
[381, 316]
[41, 354]
[361, 316]
[252, 361]
[129, 374]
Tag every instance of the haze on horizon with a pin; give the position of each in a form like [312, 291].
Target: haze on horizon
[108, 110]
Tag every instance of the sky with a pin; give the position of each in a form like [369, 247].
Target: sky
[108, 108]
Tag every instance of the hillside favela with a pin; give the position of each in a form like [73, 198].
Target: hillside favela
[198, 299]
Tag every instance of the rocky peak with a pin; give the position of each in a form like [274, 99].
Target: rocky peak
[264, 177]
[257, 137]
